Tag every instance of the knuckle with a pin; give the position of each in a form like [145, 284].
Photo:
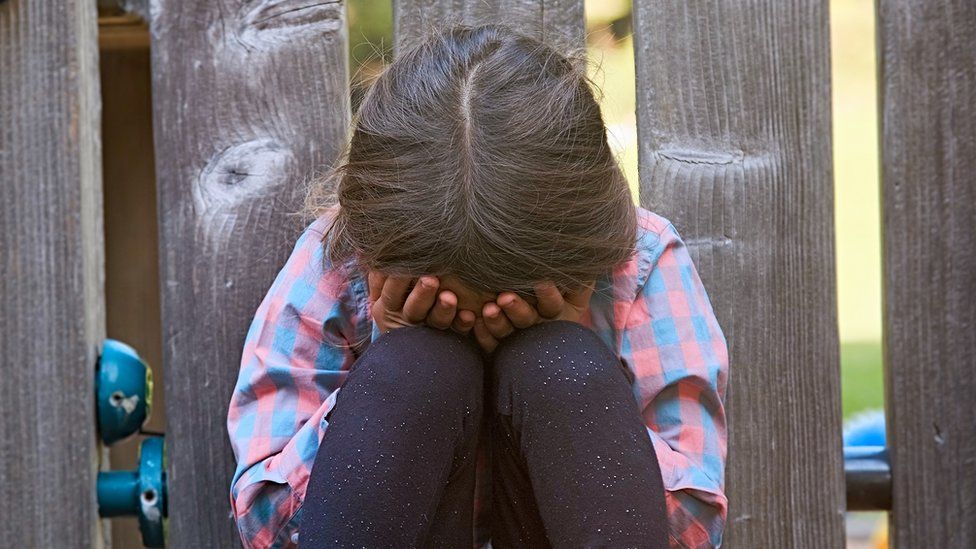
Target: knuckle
[436, 322]
[410, 317]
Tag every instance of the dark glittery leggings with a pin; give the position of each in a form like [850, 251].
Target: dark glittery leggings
[571, 461]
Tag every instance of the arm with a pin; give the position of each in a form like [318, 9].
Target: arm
[678, 353]
[296, 355]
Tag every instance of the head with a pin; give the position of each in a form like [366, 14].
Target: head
[480, 156]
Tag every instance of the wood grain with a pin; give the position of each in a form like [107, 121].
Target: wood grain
[249, 100]
[52, 315]
[733, 114]
[928, 91]
[558, 22]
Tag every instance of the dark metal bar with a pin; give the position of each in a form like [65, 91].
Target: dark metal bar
[867, 472]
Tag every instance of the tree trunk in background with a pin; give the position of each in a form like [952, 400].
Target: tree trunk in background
[928, 125]
[249, 101]
[52, 310]
[733, 114]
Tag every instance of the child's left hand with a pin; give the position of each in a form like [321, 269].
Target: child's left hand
[510, 312]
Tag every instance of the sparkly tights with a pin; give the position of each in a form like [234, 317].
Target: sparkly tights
[571, 464]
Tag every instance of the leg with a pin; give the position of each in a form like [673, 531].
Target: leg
[396, 464]
[572, 463]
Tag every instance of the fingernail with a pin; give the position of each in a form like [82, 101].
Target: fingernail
[506, 301]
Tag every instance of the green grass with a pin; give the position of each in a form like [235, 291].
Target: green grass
[862, 385]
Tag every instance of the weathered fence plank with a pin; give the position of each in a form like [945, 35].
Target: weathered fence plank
[249, 99]
[928, 92]
[734, 119]
[51, 274]
[559, 22]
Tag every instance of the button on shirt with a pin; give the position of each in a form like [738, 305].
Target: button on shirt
[314, 323]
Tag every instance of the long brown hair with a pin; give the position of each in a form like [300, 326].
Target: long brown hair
[479, 153]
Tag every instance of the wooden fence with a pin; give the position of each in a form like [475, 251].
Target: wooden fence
[52, 313]
[733, 109]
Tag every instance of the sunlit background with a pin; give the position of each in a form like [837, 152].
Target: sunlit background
[855, 142]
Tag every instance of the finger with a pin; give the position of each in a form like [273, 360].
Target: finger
[421, 299]
[550, 300]
[580, 297]
[395, 292]
[442, 314]
[483, 336]
[496, 321]
[519, 313]
[463, 321]
[376, 280]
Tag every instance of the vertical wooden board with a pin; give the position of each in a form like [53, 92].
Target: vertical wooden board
[51, 275]
[733, 116]
[559, 22]
[927, 56]
[249, 100]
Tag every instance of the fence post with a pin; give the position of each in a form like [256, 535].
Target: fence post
[52, 311]
[557, 21]
[927, 75]
[249, 100]
[733, 116]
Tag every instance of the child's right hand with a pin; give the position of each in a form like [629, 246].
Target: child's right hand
[393, 304]
[510, 312]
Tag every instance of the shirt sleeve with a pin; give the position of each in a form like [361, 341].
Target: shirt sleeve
[296, 354]
[678, 353]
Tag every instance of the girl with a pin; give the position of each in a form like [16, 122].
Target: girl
[523, 355]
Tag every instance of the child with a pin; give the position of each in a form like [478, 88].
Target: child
[523, 355]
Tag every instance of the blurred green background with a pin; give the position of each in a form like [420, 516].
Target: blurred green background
[855, 141]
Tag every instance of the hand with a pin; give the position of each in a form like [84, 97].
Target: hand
[510, 312]
[392, 306]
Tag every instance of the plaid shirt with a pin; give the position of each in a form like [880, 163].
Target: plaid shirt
[314, 323]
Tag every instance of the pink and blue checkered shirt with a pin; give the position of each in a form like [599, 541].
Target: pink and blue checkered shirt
[314, 323]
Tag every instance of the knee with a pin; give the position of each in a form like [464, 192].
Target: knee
[423, 367]
[555, 359]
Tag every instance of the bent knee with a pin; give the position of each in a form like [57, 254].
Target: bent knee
[556, 357]
[422, 366]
